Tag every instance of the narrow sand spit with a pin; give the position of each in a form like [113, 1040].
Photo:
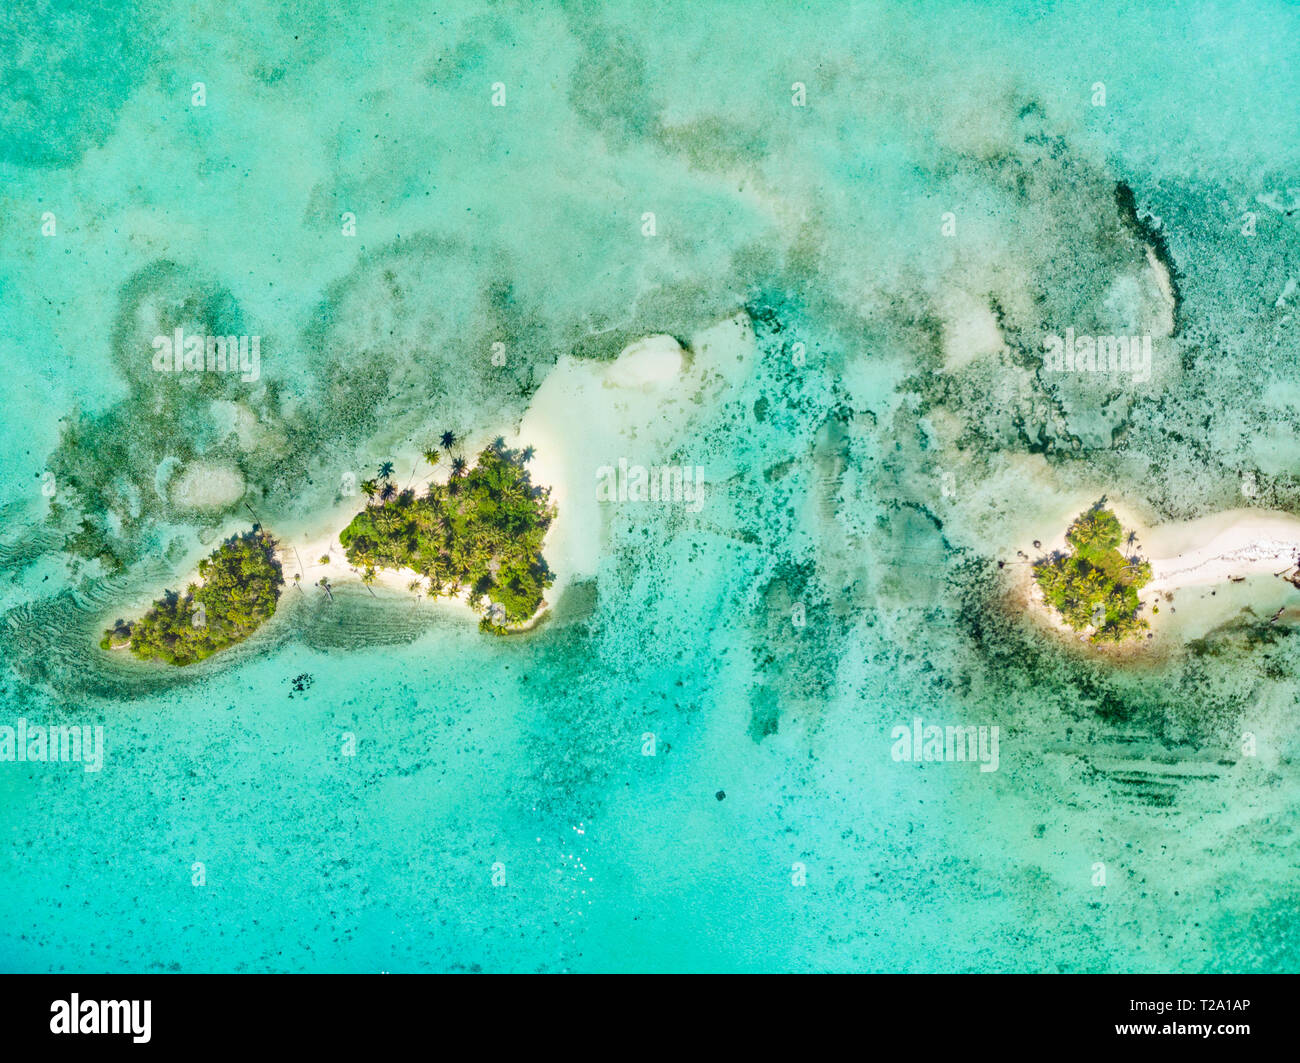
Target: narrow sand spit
[587, 415]
[1227, 546]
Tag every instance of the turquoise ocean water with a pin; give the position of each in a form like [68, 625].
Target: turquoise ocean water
[951, 165]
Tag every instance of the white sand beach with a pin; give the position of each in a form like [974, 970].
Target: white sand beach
[1227, 546]
[590, 414]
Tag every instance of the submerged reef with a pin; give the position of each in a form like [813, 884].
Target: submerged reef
[92, 58]
[190, 443]
[187, 440]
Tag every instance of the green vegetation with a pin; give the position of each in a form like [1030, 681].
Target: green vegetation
[1095, 586]
[481, 530]
[241, 585]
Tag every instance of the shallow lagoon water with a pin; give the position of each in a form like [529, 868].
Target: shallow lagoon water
[860, 471]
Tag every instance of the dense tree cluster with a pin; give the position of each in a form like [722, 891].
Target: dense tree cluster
[1095, 586]
[241, 585]
[481, 530]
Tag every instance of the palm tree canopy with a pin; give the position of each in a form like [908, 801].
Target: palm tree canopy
[482, 529]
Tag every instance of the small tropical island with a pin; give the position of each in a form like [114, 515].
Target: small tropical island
[477, 537]
[479, 534]
[1093, 586]
[242, 580]
[1229, 567]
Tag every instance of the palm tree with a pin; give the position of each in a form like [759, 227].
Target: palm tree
[387, 491]
[368, 488]
[458, 467]
[448, 440]
[386, 470]
[431, 456]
